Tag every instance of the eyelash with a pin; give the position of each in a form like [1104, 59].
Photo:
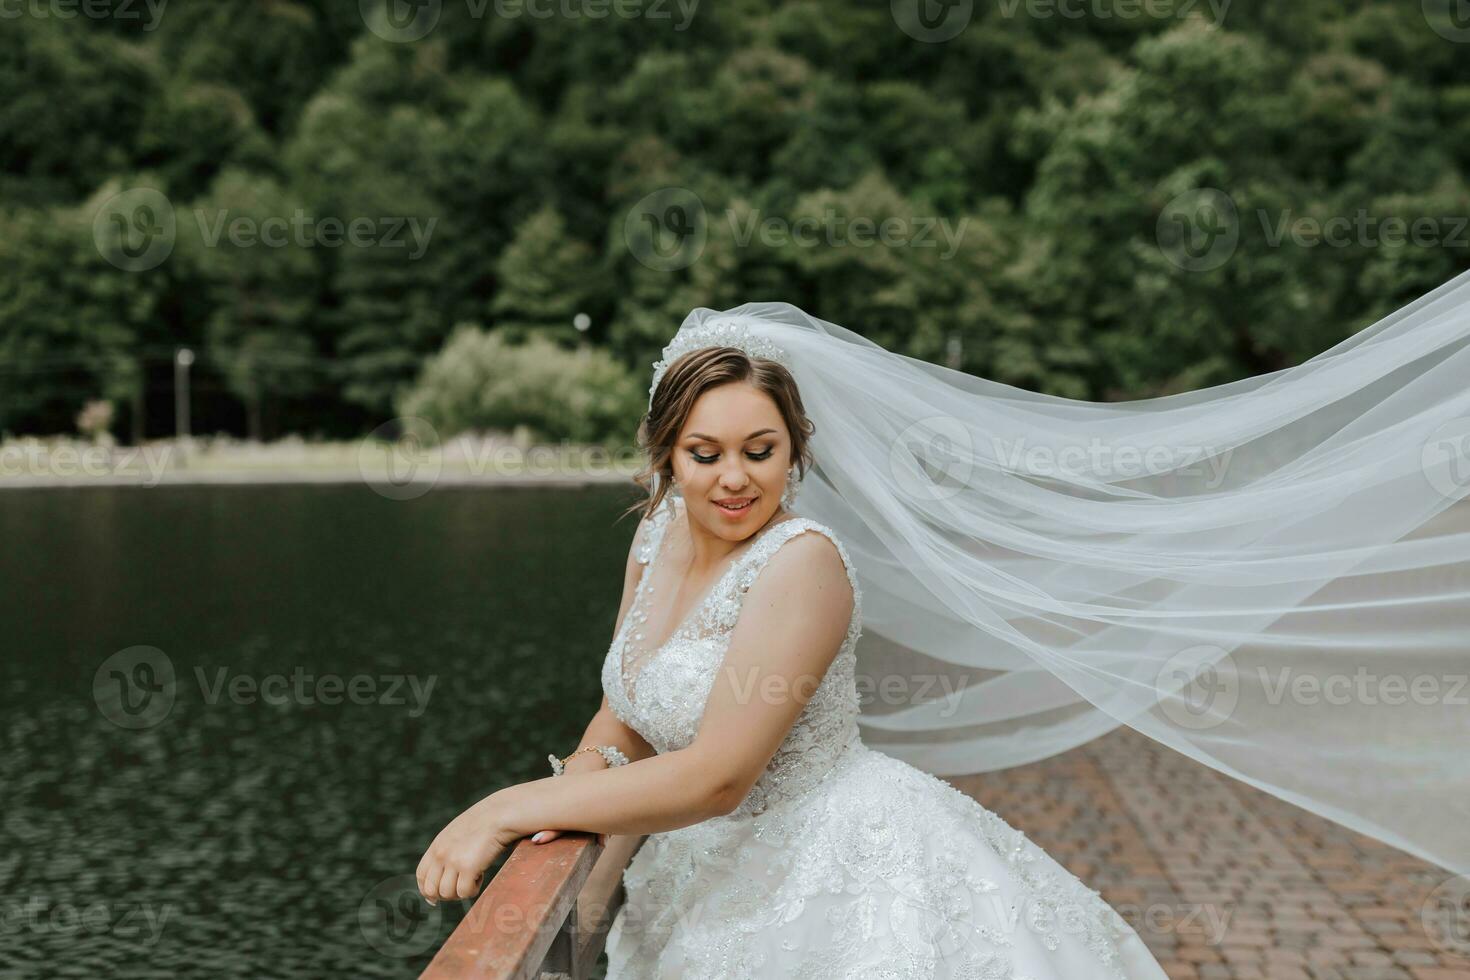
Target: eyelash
[710, 459]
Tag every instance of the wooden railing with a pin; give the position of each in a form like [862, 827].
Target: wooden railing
[544, 915]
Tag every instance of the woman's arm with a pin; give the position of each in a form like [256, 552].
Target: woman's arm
[792, 624]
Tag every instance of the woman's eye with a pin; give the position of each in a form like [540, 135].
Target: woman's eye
[763, 454]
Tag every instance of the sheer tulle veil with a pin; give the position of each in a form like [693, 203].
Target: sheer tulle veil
[1270, 576]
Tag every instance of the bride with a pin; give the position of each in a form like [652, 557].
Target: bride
[782, 845]
[1252, 574]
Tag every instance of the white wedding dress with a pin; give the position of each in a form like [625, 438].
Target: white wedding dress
[841, 862]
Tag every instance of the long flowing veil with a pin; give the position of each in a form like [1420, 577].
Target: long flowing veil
[1269, 576]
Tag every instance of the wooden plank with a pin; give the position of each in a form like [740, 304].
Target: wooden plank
[522, 910]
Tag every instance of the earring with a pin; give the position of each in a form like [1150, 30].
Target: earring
[793, 485]
[673, 494]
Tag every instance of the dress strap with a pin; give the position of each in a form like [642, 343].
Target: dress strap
[653, 532]
[768, 545]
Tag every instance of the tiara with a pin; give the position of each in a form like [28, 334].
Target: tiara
[720, 331]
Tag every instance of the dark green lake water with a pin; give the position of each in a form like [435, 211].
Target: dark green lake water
[229, 823]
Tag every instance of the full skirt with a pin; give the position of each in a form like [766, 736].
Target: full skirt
[879, 870]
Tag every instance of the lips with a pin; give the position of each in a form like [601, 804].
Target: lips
[735, 505]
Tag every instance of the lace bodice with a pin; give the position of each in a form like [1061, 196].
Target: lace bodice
[661, 693]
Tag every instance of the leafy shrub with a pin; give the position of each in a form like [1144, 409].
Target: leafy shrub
[480, 382]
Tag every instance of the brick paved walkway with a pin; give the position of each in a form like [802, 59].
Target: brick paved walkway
[1221, 880]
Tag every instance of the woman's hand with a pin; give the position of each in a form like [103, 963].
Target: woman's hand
[455, 862]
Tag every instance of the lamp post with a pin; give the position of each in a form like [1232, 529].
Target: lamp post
[183, 358]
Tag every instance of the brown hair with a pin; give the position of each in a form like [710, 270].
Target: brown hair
[690, 376]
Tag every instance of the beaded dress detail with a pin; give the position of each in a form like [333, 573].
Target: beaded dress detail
[841, 862]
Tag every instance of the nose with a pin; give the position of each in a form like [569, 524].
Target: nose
[733, 478]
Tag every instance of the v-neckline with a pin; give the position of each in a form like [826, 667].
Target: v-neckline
[630, 685]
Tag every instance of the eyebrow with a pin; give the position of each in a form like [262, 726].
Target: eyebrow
[701, 435]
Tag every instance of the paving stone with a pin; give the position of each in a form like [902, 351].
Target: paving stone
[1221, 880]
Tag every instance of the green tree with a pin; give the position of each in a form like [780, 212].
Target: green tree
[247, 242]
[74, 106]
[545, 280]
[73, 327]
[479, 382]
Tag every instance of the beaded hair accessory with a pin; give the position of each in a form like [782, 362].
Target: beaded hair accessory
[720, 331]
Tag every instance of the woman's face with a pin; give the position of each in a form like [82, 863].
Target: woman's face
[730, 460]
